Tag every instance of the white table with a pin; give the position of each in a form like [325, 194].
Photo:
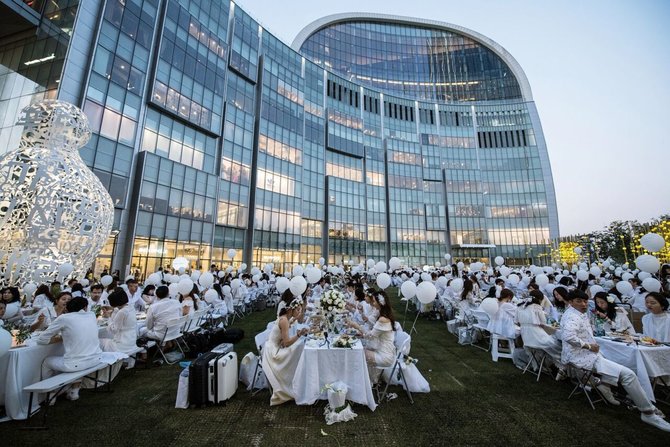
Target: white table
[320, 365]
[645, 361]
[19, 368]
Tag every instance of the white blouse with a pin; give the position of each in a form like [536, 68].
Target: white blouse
[657, 326]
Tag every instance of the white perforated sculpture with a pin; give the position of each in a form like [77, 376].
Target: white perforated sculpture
[53, 209]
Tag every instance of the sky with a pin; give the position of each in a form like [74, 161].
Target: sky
[600, 75]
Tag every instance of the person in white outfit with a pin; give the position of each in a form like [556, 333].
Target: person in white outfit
[502, 322]
[122, 327]
[581, 350]
[160, 313]
[656, 324]
[135, 300]
[78, 329]
[534, 329]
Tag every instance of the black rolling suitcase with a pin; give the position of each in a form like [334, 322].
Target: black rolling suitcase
[198, 379]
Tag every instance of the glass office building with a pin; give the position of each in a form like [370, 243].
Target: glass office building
[371, 136]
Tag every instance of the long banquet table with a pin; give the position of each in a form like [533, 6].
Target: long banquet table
[320, 365]
[21, 367]
[645, 361]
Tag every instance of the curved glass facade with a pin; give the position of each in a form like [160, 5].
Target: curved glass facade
[413, 61]
[212, 134]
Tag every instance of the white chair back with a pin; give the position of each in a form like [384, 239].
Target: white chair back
[174, 328]
[261, 338]
[403, 343]
[482, 317]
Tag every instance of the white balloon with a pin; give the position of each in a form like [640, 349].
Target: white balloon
[394, 263]
[231, 253]
[174, 289]
[229, 269]
[257, 277]
[154, 279]
[313, 275]
[235, 284]
[505, 271]
[652, 242]
[644, 275]
[626, 276]
[625, 288]
[499, 260]
[255, 271]
[415, 277]
[595, 271]
[383, 280]
[456, 285]
[460, 266]
[582, 275]
[5, 342]
[513, 279]
[29, 289]
[183, 276]
[282, 284]
[425, 277]
[490, 306]
[583, 266]
[185, 286]
[267, 269]
[226, 289]
[370, 263]
[525, 280]
[84, 282]
[651, 284]
[65, 269]
[447, 257]
[322, 261]
[221, 274]
[606, 263]
[408, 289]
[106, 280]
[442, 281]
[542, 280]
[211, 296]
[182, 270]
[243, 267]
[298, 285]
[380, 267]
[648, 263]
[438, 264]
[297, 271]
[206, 280]
[577, 250]
[195, 274]
[179, 263]
[426, 292]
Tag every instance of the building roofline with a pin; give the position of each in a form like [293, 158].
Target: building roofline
[332, 19]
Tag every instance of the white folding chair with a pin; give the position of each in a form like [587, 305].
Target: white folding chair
[260, 340]
[173, 332]
[481, 324]
[537, 356]
[402, 344]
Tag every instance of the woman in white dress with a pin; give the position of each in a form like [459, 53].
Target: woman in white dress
[379, 348]
[122, 326]
[281, 354]
[533, 321]
[614, 318]
[502, 322]
[47, 314]
[656, 324]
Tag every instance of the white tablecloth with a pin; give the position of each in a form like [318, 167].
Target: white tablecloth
[19, 368]
[645, 361]
[319, 366]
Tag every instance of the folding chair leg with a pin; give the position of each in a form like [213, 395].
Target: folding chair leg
[409, 394]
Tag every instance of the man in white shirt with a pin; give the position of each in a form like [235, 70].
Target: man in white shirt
[581, 349]
[78, 330]
[160, 312]
[96, 298]
[134, 293]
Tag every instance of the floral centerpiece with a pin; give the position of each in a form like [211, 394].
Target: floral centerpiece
[332, 304]
[345, 341]
[20, 333]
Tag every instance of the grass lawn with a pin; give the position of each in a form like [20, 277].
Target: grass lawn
[473, 401]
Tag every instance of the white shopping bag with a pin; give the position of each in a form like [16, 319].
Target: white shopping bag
[182, 390]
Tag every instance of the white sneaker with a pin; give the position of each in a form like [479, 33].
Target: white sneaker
[72, 394]
[656, 421]
[607, 394]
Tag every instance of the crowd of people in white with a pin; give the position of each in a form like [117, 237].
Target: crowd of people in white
[550, 309]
